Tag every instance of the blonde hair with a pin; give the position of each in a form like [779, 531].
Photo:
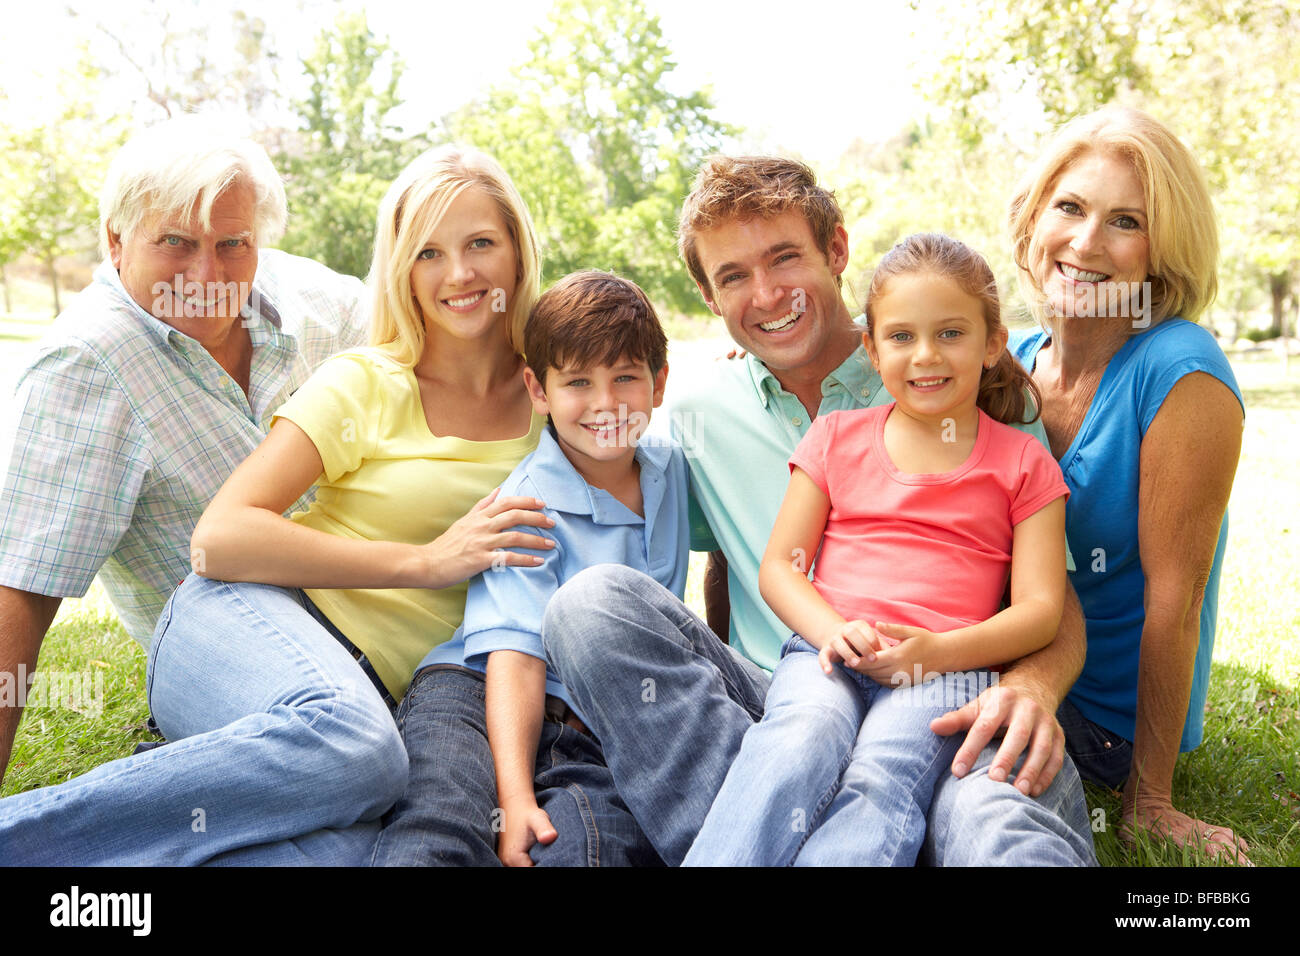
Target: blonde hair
[409, 213]
[1182, 234]
[182, 166]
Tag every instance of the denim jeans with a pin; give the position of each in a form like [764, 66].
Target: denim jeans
[1101, 756]
[282, 751]
[839, 772]
[671, 704]
[448, 815]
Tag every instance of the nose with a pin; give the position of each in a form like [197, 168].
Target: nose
[1086, 236]
[767, 293]
[925, 352]
[204, 266]
[461, 270]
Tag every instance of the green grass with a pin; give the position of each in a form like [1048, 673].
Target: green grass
[1246, 774]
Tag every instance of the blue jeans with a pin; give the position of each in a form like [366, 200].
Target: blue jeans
[448, 815]
[670, 704]
[282, 750]
[1101, 756]
[839, 772]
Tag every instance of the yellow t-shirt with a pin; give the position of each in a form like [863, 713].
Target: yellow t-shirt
[388, 478]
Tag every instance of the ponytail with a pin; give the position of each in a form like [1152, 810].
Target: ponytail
[1002, 392]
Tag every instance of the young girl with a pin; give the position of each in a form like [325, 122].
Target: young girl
[914, 512]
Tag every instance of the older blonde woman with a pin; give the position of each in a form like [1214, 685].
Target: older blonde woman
[277, 694]
[1115, 240]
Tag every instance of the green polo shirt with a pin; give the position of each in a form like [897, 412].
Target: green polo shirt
[738, 431]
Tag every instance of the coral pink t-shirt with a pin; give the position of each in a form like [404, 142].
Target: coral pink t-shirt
[930, 551]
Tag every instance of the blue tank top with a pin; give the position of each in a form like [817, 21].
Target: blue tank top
[1101, 523]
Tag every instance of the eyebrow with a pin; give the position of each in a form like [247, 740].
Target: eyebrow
[767, 253]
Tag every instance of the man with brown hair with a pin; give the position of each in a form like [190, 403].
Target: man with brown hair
[670, 702]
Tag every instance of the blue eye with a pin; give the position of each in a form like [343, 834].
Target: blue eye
[427, 254]
[481, 244]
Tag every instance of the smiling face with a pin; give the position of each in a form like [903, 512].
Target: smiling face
[776, 291]
[598, 412]
[930, 344]
[1089, 251]
[195, 279]
[466, 272]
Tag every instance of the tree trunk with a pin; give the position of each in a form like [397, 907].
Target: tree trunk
[4, 281]
[54, 284]
[1279, 284]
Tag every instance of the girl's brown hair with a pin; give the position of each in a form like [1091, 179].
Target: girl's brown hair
[1002, 387]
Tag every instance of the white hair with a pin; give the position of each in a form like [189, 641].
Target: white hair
[181, 166]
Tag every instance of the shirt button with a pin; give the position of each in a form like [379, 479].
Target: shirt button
[796, 421]
[864, 392]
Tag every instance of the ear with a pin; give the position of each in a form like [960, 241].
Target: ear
[536, 394]
[114, 248]
[871, 350]
[837, 255]
[661, 382]
[708, 299]
[996, 345]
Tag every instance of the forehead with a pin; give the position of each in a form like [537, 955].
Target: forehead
[1103, 177]
[926, 296]
[737, 241]
[473, 210]
[233, 212]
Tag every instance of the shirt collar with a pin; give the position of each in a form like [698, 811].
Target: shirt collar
[854, 374]
[563, 489]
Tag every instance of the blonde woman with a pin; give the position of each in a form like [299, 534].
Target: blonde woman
[1115, 239]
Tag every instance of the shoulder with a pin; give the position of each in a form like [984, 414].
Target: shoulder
[309, 298]
[1025, 343]
[1166, 353]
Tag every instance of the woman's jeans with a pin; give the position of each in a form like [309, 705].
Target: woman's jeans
[282, 751]
[839, 772]
[449, 814]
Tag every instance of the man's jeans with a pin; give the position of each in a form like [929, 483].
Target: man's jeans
[282, 750]
[839, 772]
[449, 815]
[1101, 756]
[671, 704]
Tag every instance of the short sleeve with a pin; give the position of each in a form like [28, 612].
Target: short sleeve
[339, 408]
[1179, 349]
[1041, 481]
[75, 461]
[702, 538]
[810, 454]
[505, 606]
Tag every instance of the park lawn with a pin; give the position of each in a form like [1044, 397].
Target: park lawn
[1245, 775]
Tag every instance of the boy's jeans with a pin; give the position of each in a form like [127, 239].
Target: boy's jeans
[282, 750]
[449, 814]
[670, 704]
[840, 771]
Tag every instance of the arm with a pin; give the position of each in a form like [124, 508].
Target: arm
[243, 535]
[1188, 459]
[516, 700]
[24, 619]
[717, 597]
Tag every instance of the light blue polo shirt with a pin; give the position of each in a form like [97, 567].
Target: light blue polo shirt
[504, 608]
[738, 431]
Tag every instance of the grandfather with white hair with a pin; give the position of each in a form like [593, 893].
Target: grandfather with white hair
[149, 390]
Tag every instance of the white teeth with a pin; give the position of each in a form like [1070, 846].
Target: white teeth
[776, 325]
[927, 382]
[465, 302]
[1081, 275]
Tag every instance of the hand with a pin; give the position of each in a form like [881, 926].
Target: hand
[904, 653]
[735, 354]
[1025, 712]
[479, 540]
[855, 643]
[522, 828]
[1159, 817]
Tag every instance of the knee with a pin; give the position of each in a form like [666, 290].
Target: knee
[357, 750]
[585, 606]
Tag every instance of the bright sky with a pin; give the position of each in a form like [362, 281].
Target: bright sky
[807, 76]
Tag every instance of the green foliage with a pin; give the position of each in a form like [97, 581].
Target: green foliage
[601, 148]
[339, 165]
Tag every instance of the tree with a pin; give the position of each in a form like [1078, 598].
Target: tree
[339, 165]
[600, 147]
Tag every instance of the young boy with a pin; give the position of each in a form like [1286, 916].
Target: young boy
[597, 364]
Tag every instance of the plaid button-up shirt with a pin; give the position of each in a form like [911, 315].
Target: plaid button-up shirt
[124, 428]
